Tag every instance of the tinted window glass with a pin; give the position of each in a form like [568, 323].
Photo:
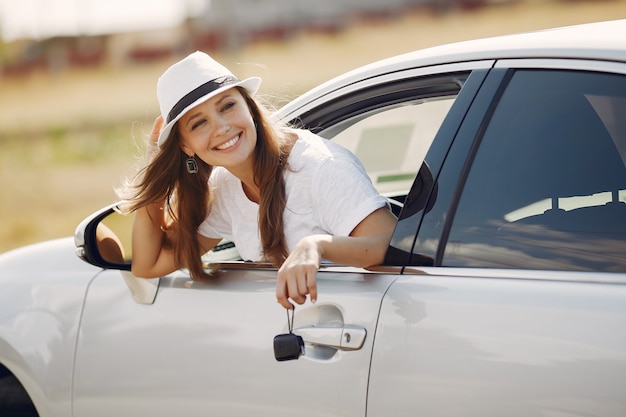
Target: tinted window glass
[547, 188]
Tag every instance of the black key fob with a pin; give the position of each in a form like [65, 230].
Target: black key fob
[288, 346]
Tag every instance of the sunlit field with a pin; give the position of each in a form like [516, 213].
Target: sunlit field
[67, 139]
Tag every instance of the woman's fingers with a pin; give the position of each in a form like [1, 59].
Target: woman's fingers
[297, 277]
[282, 291]
[294, 289]
[157, 127]
[152, 148]
[295, 283]
[312, 286]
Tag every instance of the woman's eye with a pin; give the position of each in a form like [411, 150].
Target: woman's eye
[198, 124]
[227, 106]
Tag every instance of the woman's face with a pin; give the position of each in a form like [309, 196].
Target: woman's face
[220, 131]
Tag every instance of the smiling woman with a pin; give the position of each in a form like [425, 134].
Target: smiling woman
[223, 170]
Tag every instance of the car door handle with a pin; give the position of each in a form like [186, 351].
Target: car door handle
[342, 338]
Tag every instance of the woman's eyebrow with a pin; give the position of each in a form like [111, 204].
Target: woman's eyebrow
[191, 117]
[224, 97]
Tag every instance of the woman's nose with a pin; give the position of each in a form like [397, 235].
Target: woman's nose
[223, 127]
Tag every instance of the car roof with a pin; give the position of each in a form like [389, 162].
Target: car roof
[602, 40]
[597, 41]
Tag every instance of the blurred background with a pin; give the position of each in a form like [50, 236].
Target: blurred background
[78, 77]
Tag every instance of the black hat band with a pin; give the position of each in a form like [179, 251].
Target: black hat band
[199, 92]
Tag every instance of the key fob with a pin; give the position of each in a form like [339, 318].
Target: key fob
[288, 346]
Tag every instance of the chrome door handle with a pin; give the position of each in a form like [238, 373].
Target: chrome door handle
[342, 338]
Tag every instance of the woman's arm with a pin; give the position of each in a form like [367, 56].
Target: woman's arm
[151, 256]
[366, 246]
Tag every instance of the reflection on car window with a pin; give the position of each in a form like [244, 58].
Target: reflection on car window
[392, 143]
[547, 188]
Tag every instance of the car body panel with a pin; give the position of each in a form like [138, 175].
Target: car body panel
[43, 287]
[207, 347]
[477, 346]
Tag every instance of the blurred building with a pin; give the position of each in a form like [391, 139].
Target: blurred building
[224, 24]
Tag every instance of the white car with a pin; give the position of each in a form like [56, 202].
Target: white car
[503, 292]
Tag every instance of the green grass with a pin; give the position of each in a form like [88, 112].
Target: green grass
[52, 181]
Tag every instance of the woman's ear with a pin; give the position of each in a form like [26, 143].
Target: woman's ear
[186, 149]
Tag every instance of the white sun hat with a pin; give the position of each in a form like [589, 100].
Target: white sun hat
[192, 81]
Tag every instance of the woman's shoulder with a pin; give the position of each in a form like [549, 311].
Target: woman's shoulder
[312, 147]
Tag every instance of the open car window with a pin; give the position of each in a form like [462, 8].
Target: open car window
[391, 143]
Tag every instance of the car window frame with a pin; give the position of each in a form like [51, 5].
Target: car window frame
[496, 81]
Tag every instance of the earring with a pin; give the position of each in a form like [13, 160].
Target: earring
[192, 165]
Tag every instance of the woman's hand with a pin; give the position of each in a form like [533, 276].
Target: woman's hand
[297, 276]
[366, 246]
[152, 147]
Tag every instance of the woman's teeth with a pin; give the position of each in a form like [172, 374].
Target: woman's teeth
[229, 143]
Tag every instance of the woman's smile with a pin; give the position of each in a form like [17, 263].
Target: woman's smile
[229, 144]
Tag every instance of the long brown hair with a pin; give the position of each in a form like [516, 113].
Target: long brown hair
[271, 152]
[186, 197]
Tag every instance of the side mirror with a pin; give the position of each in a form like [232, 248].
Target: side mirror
[99, 241]
[98, 244]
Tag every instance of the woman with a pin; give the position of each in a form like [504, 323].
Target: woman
[218, 168]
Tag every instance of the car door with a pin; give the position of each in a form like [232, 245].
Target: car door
[515, 302]
[207, 348]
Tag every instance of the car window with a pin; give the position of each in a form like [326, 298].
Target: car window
[547, 187]
[389, 126]
[391, 143]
